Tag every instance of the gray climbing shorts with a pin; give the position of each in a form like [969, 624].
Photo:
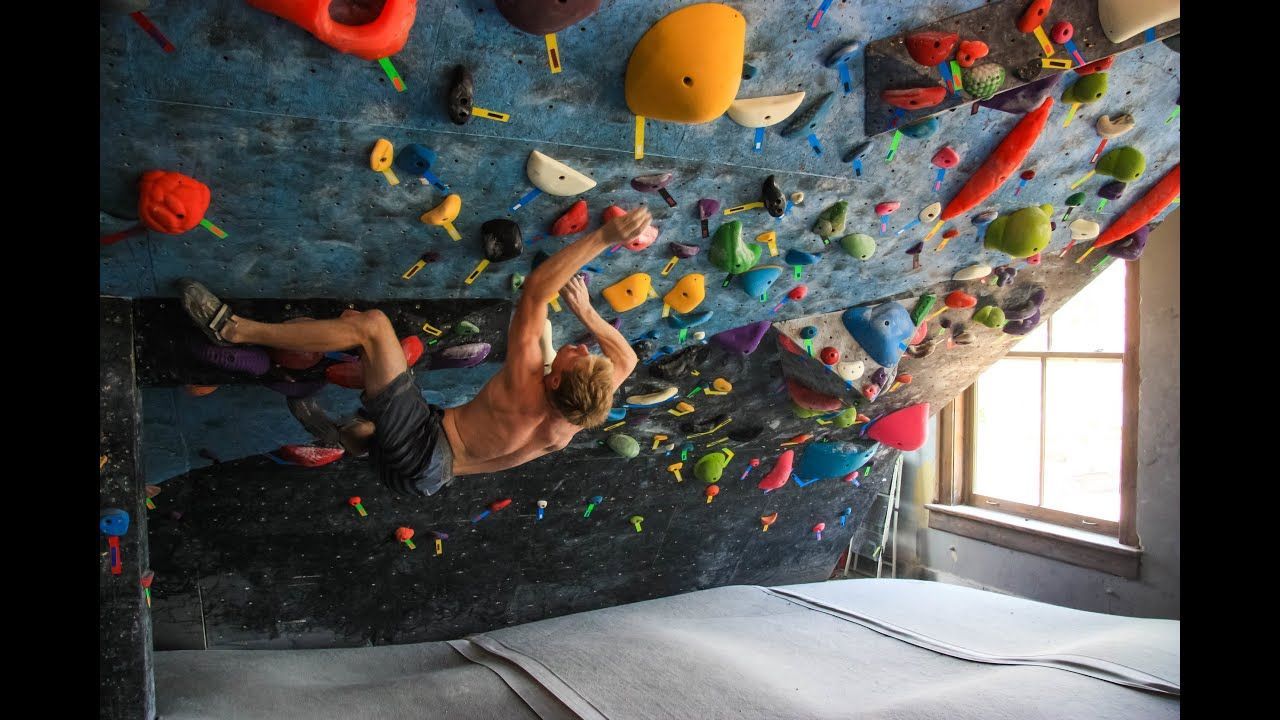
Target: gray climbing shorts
[409, 448]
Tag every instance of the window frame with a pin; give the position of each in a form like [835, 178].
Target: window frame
[956, 435]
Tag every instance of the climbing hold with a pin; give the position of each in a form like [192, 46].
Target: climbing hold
[821, 460]
[624, 445]
[778, 476]
[850, 371]
[543, 17]
[914, 98]
[767, 520]
[760, 112]
[970, 52]
[1095, 66]
[461, 91]
[416, 159]
[810, 399]
[931, 48]
[842, 53]
[170, 202]
[905, 429]
[1082, 229]
[1000, 165]
[882, 331]
[647, 237]
[656, 182]
[574, 220]
[1004, 275]
[984, 81]
[800, 258]
[859, 245]
[1023, 326]
[1087, 89]
[748, 71]
[775, 201]
[807, 122]
[858, 152]
[652, 399]
[1125, 164]
[460, 356]
[972, 272]
[729, 252]
[554, 177]
[914, 251]
[687, 294]
[444, 213]
[294, 359]
[309, 455]
[797, 198]
[959, 299]
[636, 520]
[517, 281]
[829, 356]
[199, 390]
[687, 68]
[830, 222]
[380, 160]
[681, 322]
[808, 332]
[710, 467]
[1025, 232]
[628, 293]
[247, 360]
[373, 39]
[501, 240]
[743, 340]
[466, 327]
[1025, 98]
[1034, 14]
[683, 251]
[1132, 246]
[1061, 32]
[711, 492]
[757, 280]
[990, 315]
[1123, 19]
[1113, 126]
[946, 157]
[678, 364]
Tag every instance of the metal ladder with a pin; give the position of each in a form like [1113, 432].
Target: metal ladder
[865, 539]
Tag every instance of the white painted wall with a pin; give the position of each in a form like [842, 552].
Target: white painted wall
[927, 553]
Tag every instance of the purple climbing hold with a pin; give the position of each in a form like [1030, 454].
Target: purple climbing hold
[1132, 246]
[743, 339]
[880, 377]
[707, 208]
[248, 360]
[1022, 327]
[683, 251]
[460, 356]
[1024, 98]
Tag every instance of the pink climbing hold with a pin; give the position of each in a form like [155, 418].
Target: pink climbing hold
[646, 238]
[905, 429]
[780, 474]
[1061, 32]
[946, 158]
[811, 399]
[309, 455]
[921, 331]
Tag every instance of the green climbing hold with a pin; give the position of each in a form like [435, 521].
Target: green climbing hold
[1087, 89]
[1021, 234]
[1125, 164]
[710, 467]
[729, 252]
[847, 417]
[1076, 199]
[805, 413]
[624, 445]
[922, 308]
[991, 316]
[859, 245]
[466, 328]
[983, 81]
[831, 221]
[517, 281]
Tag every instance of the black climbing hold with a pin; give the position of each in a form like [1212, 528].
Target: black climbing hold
[772, 196]
[678, 364]
[501, 240]
[460, 94]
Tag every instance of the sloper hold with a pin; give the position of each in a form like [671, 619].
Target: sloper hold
[678, 364]
[764, 111]
[921, 129]
[1125, 164]
[809, 120]
[383, 37]
[743, 340]
[687, 294]
[681, 321]
[729, 252]
[629, 292]
[811, 399]
[757, 280]
[1024, 98]
[554, 177]
[800, 257]
[710, 467]
[1087, 89]
[832, 459]
[574, 220]
[779, 474]
[831, 221]
[1122, 19]
[859, 245]
[882, 331]
[905, 429]
[653, 398]
[624, 445]
[460, 356]
[1022, 234]
[415, 158]
[241, 359]
[914, 98]
[170, 202]
[501, 240]
[687, 68]
[543, 17]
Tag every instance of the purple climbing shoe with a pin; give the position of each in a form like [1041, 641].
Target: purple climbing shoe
[208, 312]
[249, 360]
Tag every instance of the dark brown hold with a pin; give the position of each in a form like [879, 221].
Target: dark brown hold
[542, 17]
[461, 93]
[1029, 71]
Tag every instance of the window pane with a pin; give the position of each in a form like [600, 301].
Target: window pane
[1093, 320]
[1084, 410]
[1035, 341]
[1007, 431]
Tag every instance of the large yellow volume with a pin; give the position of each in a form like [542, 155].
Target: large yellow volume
[688, 66]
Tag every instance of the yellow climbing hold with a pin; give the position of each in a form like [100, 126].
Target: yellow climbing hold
[629, 292]
[687, 294]
[687, 68]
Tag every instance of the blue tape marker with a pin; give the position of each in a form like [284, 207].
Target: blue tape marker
[817, 17]
[945, 71]
[528, 198]
[759, 140]
[802, 483]
[857, 167]
[846, 80]
[813, 143]
[937, 179]
[1149, 35]
[1070, 45]
[431, 178]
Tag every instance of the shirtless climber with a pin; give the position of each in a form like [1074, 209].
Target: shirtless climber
[524, 412]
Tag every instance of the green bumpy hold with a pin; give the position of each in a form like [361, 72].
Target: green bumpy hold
[624, 445]
[1087, 89]
[729, 252]
[711, 467]
[1022, 234]
[991, 316]
[1125, 164]
[859, 245]
[831, 221]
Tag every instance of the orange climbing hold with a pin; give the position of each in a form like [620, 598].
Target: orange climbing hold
[170, 202]
[688, 66]
[382, 37]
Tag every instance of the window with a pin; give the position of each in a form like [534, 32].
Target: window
[1046, 434]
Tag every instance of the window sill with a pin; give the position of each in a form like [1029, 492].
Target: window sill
[1069, 545]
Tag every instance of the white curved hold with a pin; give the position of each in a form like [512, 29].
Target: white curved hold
[652, 398]
[973, 272]
[930, 212]
[1122, 19]
[1113, 126]
[1084, 229]
[764, 111]
[554, 177]
[850, 371]
[548, 347]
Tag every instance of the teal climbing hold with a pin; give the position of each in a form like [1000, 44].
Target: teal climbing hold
[832, 459]
[882, 331]
[800, 257]
[688, 320]
[756, 281]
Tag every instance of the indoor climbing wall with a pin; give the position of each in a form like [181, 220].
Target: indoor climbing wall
[284, 130]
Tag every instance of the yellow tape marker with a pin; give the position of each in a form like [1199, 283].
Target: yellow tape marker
[933, 232]
[771, 238]
[390, 176]
[1055, 63]
[430, 329]
[553, 53]
[453, 231]
[489, 114]
[413, 269]
[1044, 41]
[476, 273]
[620, 423]
[670, 264]
[713, 443]
[639, 137]
[1071, 114]
[666, 310]
[742, 208]
[1082, 180]
[555, 303]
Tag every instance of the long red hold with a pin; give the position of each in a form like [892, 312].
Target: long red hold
[1002, 163]
[1150, 205]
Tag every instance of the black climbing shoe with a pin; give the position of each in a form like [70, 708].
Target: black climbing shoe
[315, 421]
[208, 312]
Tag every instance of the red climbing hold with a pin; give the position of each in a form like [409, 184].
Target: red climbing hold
[914, 98]
[811, 399]
[170, 202]
[1062, 32]
[368, 39]
[412, 347]
[497, 505]
[829, 355]
[1095, 66]
[1001, 163]
[404, 533]
[789, 345]
[905, 429]
[959, 299]
[931, 48]
[351, 374]
[946, 158]
[970, 52]
[574, 220]
[798, 292]
[309, 455]
[1036, 12]
[781, 472]
[611, 212]
[294, 359]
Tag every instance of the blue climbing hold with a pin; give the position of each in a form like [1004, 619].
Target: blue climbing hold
[800, 257]
[808, 332]
[415, 158]
[882, 331]
[616, 414]
[807, 122]
[113, 521]
[923, 128]
[757, 280]
[832, 459]
[689, 320]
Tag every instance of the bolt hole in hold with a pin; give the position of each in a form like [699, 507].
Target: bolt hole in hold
[561, 177]
[688, 81]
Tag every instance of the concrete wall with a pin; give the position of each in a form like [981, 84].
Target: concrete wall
[1157, 591]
